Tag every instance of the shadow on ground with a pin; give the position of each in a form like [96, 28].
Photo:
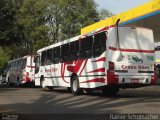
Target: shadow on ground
[63, 104]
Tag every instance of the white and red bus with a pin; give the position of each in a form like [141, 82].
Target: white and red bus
[108, 59]
[20, 71]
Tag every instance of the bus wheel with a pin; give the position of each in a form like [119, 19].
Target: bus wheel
[110, 91]
[76, 90]
[45, 88]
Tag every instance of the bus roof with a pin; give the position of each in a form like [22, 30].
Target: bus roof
[140, 12]
[60, 43]
[19, 58]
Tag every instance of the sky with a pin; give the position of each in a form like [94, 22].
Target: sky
[117, 6]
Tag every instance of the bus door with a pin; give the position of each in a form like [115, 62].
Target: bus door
[56, 65]
[37, 68]
[47, 64]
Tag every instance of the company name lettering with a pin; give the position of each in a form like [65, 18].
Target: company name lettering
[51, 70]
[134, 67]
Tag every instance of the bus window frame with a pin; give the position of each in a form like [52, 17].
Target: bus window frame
[100, 50]
[56, 59]
[62, 57]
[73, 52]
[83, 54]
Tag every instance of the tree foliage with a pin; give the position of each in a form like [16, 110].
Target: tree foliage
[103, 14]
[28, 25]
[5, 56]
[31, 18]
[67, 17]
[7, 26]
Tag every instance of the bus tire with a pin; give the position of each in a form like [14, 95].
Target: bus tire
[76, 90]
[110, 91]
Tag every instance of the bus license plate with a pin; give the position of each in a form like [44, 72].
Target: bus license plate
[134, 80]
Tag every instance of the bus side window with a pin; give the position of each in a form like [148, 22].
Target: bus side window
[56, 55]
[24, 63]
[99, 45]
[8, 67]
[37, 63]
[48, 57]
[15, 65]
[18, 65]
[11, 68]
[53, 57]
[74, 50]
[64, 52]
[43, 56]
[86, 47]
[12, 64]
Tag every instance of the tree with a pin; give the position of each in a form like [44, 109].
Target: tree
[5, 56]
[10, 33]
[31, 18]
[67, 17]
[103, 14]
[7, 23]
[28, 25]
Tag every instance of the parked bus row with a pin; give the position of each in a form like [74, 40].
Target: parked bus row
[108, 59]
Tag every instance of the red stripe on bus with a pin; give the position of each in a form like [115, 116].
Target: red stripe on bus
[130, 50]
[83, 67]
[100, 59]
[97, 70]
[102, 80]
[75, 68]
[63, 72]
[30, 66]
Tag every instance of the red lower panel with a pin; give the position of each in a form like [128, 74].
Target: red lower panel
[102, 80]
[28, 79]
[153, 80]
[112, 78]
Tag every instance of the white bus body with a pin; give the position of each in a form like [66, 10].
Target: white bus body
[102, 60]
[21, 70]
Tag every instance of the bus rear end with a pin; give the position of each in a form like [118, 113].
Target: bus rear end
[130, 57]
[29, 70]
